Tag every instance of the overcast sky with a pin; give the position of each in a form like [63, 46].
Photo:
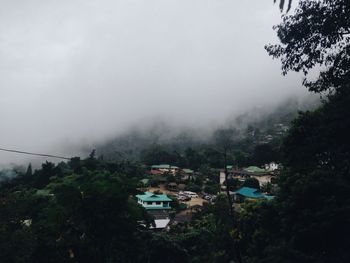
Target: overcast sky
[76, 71]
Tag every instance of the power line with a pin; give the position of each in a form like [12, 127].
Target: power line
[36, 154]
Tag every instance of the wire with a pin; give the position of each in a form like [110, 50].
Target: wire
[37, 154]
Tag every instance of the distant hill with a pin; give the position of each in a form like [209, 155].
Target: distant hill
[258, 126]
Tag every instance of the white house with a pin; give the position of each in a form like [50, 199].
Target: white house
[152, 201]
[271, 166]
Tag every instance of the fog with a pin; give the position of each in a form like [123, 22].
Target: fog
[76, 72]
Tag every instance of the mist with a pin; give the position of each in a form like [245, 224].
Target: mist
[76, 73]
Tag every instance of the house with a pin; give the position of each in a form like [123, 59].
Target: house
[164, 168]
[249, 193]
[271, 166]
[186, 174]
[157, 205]
[151, 201]
[160, 223]
[161, 219]
[255, 170]
[144, 182]
[187, 171]
[262, 175]
[156, 172]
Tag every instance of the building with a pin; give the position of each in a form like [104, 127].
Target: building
[249, 193]
[262, 175]
[156, 205]
[164, 168]
[151, 201]
[271, 166]
[186, 174]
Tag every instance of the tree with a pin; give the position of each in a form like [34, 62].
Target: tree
[316, 35]
[264, 153]
[233, 184]
[225, 139]
[312, 198]
[29, 171]
[252, 182]
[282, 4]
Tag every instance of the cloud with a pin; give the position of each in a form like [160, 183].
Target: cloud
[78, 71]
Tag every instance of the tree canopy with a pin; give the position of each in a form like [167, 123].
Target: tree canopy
[316, 36]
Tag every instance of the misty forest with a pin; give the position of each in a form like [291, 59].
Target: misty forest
[175, 131]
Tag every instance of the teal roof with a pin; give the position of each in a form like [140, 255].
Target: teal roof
[163, 166]
[188, 171]
[151, 197]
[252, 193]
[230, 166]
[254, 169]
[269, 197]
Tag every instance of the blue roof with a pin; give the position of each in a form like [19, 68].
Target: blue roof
[252, 193]
[151, 197]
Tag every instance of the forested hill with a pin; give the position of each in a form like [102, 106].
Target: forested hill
[163, 142]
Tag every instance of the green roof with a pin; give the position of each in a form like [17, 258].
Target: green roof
[44, 192]
[254, 169]
[144, 181]
[151, 197]
[230, 166]
[188, 171]
[163, 166]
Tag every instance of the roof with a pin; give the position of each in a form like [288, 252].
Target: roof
[44, 192]
[252, 193]
[151, 197]
[144, 181]
[230, 166]
[156, 172]
[163, 166]
[255, 169]
[188, 171]
[161, 223]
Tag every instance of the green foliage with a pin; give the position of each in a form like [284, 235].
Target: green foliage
[316, 35]
[252, 182]
[85, 217]
[265, 153]
[233, 184]
[193, 187]
[212, 188]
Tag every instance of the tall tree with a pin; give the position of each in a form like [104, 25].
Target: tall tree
[225, 139]
[317, 35]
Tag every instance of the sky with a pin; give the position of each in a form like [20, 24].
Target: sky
[75, 72]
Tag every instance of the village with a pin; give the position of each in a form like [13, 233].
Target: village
[172, 195]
